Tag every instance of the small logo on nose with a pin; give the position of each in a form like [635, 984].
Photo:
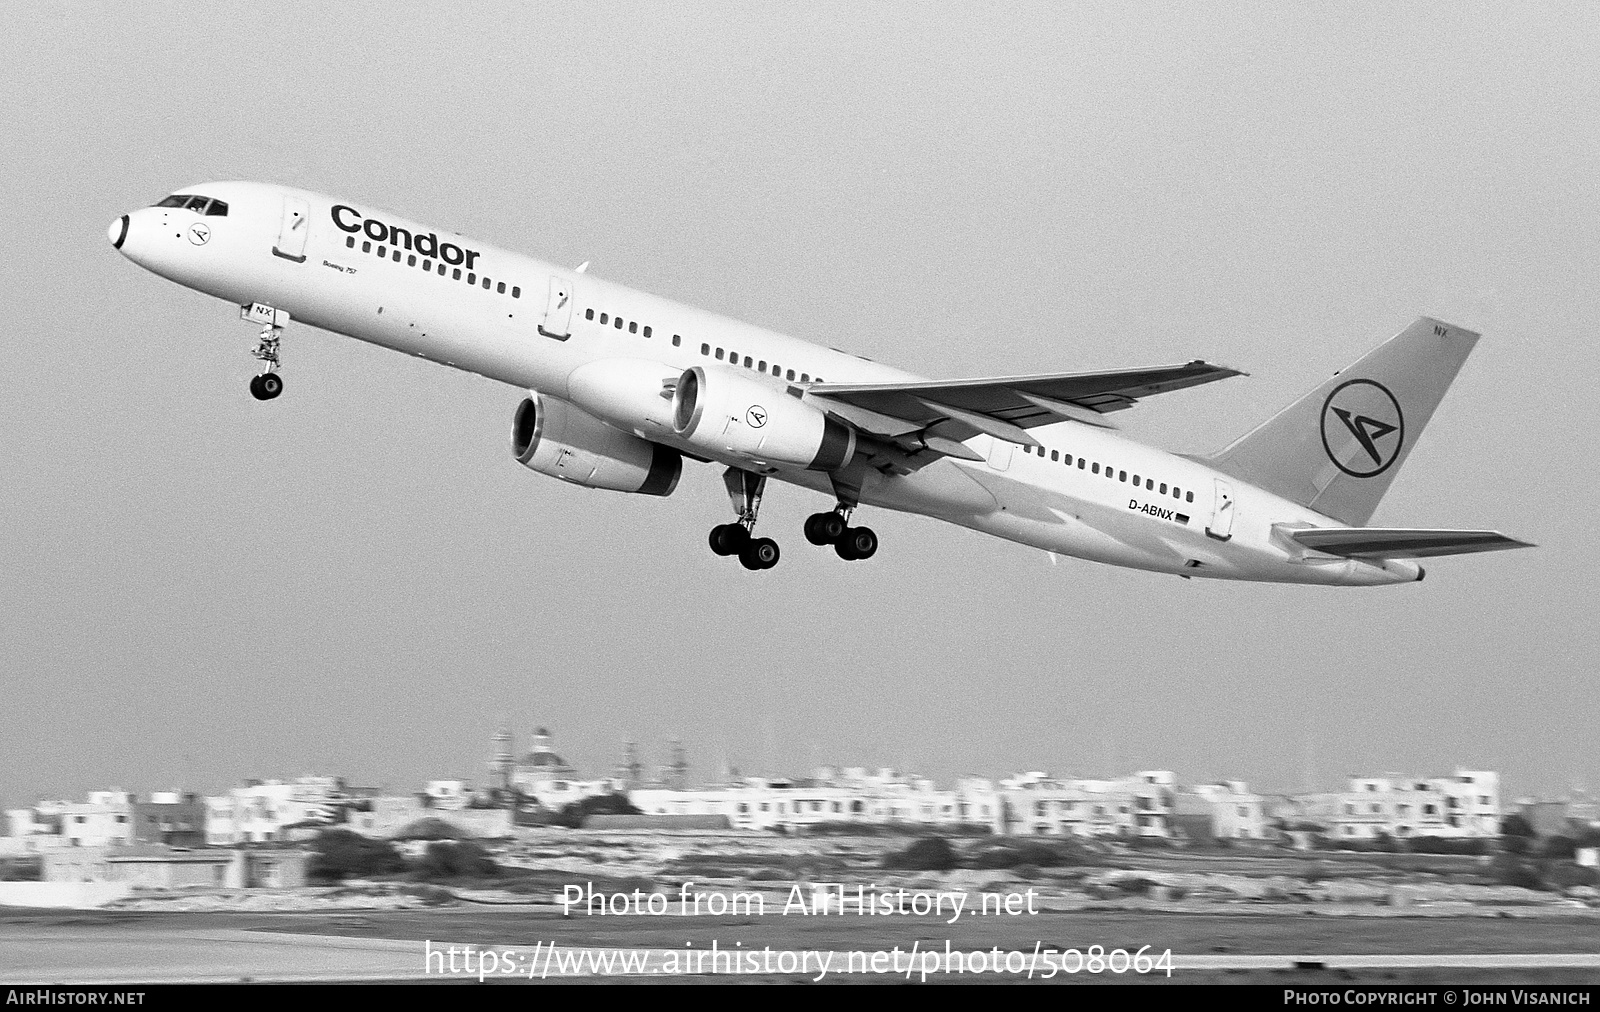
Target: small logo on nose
[756, 416]
[199, 233]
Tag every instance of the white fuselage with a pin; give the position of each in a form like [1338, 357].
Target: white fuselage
[1182, 517]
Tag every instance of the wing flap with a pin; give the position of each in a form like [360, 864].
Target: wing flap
[1400, 542]
[1021, 401]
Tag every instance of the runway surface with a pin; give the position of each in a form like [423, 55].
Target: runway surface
[115, 954]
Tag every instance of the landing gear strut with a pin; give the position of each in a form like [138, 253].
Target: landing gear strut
[833, 528]
[738, 538]
[268, 384]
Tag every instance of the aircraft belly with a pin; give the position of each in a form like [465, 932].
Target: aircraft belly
[942, 489]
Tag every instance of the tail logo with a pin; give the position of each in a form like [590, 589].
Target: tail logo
[1363, 429]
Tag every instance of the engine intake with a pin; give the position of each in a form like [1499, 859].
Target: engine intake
[727, 413]
[553, 437]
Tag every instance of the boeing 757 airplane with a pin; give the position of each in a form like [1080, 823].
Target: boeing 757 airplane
[623, 386]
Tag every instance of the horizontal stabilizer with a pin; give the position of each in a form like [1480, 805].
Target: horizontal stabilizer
[1400, 542]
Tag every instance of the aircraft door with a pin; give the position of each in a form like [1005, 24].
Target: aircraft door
[293, 229]
[558, 310]
[1221, 525]
[1000, 454]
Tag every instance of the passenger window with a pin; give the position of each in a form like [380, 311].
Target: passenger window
[1055, 454]
[218, 209]
[1188, 497]
[350, 242]
[441, 270]
[805, 378]
[397, 254]
[1097, 469]
[486, 283]
[719, 354]
[647, 332]
[472, 277]
[763, 366]
[455, 274]
[617, 322]
[1122, 476]
[500, 289]
[747, 361]
[366, 247]
[1136, 479]
[427, 265]
[516, 291]
[588, 314]
[790, 374]
[1150, 484]
[1163, 488]
[776, 371]
[676, 340]
[1080, 463]
[411, 260]
[383, 251]
[633, 328]
[604, 319]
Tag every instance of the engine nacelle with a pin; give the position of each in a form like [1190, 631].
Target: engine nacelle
[556, 438]
[724, 412]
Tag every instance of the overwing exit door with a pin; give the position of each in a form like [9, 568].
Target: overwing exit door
[558, 310]
[1000, 453]
[293, 229]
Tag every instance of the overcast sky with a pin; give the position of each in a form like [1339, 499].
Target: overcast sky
[357, 579]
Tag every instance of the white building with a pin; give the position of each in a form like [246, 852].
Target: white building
[846, 796]
[1466, 804]
[1225, 810]
[262, 811]
[1036, 804]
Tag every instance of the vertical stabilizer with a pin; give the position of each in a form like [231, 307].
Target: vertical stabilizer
[1337, 448]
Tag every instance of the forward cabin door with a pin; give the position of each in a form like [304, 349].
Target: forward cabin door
[558, 310]
[293, 229]
[1221, 525]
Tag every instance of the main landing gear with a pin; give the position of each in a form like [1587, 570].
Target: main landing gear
[268, 384]
[833, 528]
[738, 538]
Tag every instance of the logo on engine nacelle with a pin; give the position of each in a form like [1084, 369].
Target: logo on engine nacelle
[756, 417]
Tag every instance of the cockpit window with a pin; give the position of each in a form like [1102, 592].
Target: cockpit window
[197, 203]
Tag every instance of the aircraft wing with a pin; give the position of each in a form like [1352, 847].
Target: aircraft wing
[1006, 406]
[1400, 542]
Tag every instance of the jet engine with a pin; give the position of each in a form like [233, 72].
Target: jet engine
[725, 412]
[553, 437]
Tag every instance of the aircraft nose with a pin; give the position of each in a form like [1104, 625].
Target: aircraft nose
[118, 232]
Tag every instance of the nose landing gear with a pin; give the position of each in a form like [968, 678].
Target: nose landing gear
[268, 384]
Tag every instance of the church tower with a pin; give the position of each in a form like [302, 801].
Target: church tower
[630, 771]
[504, 757]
